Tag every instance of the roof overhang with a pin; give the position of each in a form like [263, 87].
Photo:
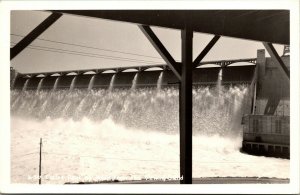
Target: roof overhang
[259, 25]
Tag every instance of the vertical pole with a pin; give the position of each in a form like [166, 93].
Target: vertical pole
[185, 104]
[254, 99]
[40, 165]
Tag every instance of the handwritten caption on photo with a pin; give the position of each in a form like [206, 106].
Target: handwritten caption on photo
[73, 178]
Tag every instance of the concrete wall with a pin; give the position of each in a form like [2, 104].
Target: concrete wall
[273, 91]
[266, 129]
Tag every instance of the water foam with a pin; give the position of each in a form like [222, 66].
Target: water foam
[214, 111]
[131, 134]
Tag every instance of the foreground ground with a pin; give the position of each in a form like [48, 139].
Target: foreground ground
[208, 180]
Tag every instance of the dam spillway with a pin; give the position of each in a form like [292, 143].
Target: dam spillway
[201, 76]
[134, 115]
[155, 94]
[142, 108]
[94, 131]
[93, 136]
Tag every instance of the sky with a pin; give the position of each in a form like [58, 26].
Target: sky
[106, 43]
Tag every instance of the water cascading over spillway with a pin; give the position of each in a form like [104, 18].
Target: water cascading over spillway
[73, 83]
[125, 133]
[56, 83]
[40, 85]
[159, 80]
[134, 81]
[139, 108]
[25, 85]
[91, 83]
[112, 82]
[219, 82]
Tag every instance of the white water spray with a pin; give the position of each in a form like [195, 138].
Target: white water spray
[112, 82]
[25, 85]
[73, 83]
[56, 83]
[219, 81]
[40, 84]
[91, 83]
[134, 81]
[131, 133]
[160, 80]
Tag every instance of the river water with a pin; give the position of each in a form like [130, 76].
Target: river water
[125, 134]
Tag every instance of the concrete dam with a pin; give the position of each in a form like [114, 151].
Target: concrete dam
[270, 95]
[265, 79]
[171, 116]
[201, 76]
[134, 115]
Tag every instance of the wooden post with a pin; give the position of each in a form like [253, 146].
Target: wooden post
[40, 165]
[185, 107]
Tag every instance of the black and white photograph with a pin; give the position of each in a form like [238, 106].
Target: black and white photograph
[105, 96]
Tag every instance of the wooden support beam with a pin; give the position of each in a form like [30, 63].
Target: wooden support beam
[276, 58]
[163, 52]
[19, 47]
[205, 51]
[185, 107]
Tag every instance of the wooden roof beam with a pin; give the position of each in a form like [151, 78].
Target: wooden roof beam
[205, 51]
[160, 48]
[27, 40]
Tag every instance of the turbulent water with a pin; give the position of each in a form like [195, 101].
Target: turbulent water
[214, 111]
[130, 134]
